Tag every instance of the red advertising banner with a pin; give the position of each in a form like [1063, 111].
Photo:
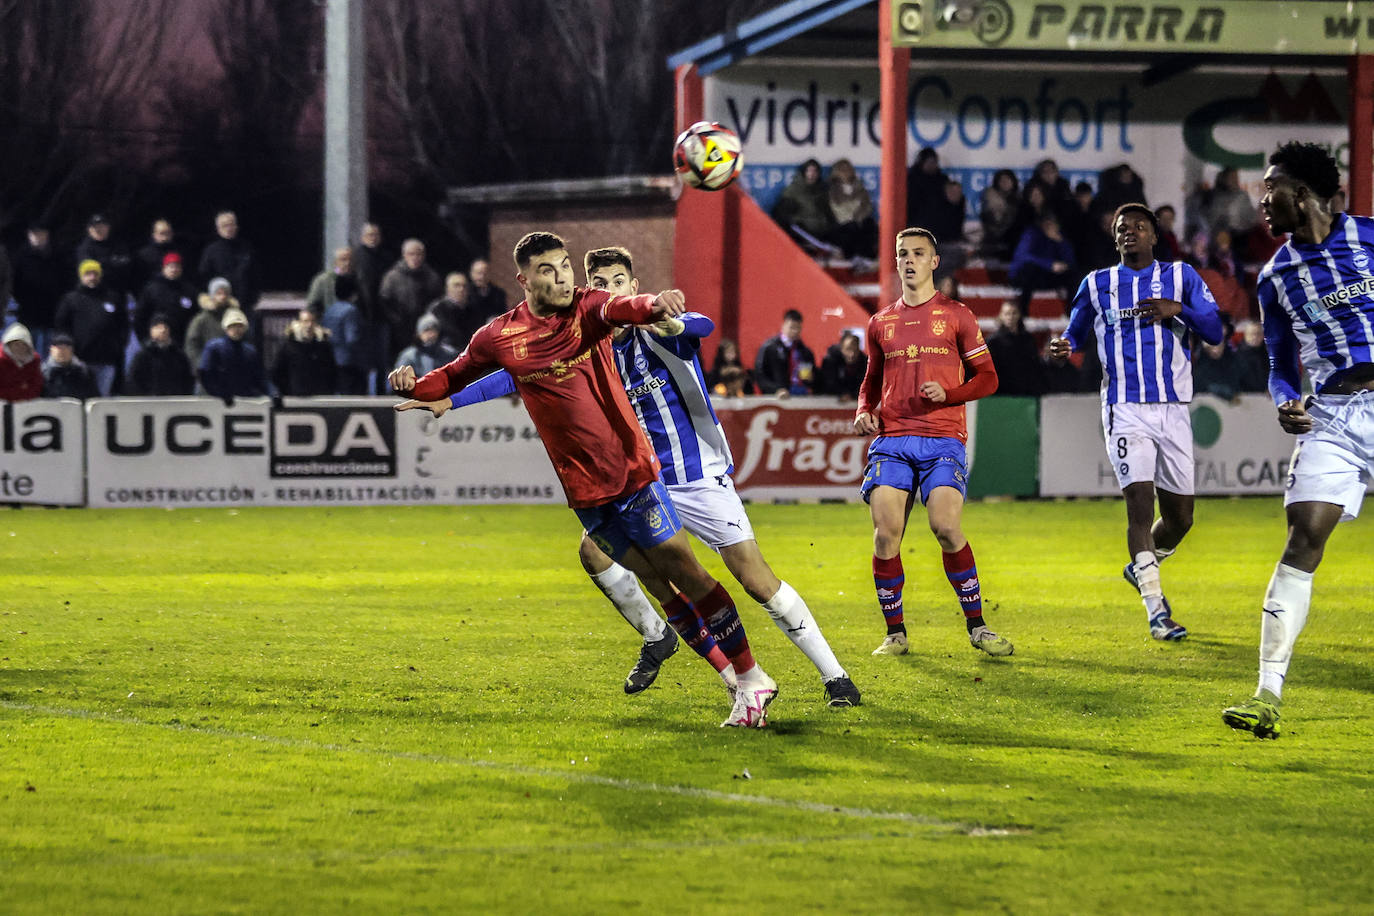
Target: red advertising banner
[802, 448]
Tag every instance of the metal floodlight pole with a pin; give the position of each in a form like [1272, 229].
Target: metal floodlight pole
[894, 73]
[345, 124]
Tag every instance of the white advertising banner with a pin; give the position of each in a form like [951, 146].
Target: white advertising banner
[42, 447]
[485, 453]
[1238, 448]
[1173, 131]
[341, 451]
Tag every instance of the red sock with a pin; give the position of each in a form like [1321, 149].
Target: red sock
[683, 617]
[962, 573]
[718, 610]
[888, 579]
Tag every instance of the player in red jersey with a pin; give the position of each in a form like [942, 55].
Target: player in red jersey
[921, 351]
[556, 345]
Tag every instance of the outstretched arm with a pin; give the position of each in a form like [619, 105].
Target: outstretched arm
[438, 408]
[498, 384]
[682, 335]
[472, 364]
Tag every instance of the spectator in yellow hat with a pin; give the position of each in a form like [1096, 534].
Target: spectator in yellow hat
[97, 320]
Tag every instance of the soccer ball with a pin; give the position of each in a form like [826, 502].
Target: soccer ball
[707, 156]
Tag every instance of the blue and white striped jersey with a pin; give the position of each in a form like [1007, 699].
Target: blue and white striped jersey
[1144, 363]
[1318, 307]
[666, 387]
[668, 391]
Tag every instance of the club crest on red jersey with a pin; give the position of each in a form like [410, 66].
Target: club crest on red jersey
[937, 326]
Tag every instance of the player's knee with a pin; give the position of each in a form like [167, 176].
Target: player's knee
[757, 589]
[947, 533]
[886, 542]
[593, 560]
[1304, 548]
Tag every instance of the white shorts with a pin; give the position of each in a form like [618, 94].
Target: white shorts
[711, 510]
[1150, 443]
[1335, 462]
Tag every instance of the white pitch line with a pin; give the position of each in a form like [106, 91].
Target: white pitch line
[515, 769]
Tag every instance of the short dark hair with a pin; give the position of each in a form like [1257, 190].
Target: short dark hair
[917, 230]
[1159, 211]
[792, 315]
[1310, 164]
[535, 244]
[1136, 208]
[598, 258]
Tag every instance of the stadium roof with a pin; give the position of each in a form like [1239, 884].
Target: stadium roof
[848, 29]
[832, 28]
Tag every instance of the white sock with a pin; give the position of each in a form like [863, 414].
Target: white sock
[752, 675]
[1147, 574]
[793, 617]
[1285, 613]
[622, 588]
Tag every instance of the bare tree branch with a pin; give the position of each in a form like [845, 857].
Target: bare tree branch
[74, 82]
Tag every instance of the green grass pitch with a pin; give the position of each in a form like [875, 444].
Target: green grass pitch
[405, 709]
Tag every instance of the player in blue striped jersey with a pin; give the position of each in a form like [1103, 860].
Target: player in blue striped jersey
[1144, 314]
[1316, 296]
[667, 389]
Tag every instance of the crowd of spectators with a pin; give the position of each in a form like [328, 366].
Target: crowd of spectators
[98, 321]
[785, 366]
[1046, 234]
[830, 216]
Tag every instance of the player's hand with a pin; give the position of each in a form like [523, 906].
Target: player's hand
[1060, 348]
[1059, 266]
[670, 302]
[865, 423]
[402, 380]
[932, 391]
[1152, 310]
[667, 327]
[1294, 418]
[438, 408]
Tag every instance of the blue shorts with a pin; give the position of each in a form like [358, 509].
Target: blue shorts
[645, 518]
[907, 461]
